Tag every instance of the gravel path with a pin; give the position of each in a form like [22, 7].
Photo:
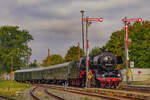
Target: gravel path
[63, 94]
[72, 96]
[25, 95]
[40, 92]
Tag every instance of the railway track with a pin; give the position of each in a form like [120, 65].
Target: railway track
[135, 88]
[77, 92]
[103, 93]
[59, 98]
[6, 98]
[36, 97]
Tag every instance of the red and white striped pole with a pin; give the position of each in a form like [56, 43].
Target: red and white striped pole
[88, 62]
[126, 28]
[127, 22]
[126, 49]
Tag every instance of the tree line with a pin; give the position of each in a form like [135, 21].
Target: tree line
[14, 44]
[139, 44]
[73, 53]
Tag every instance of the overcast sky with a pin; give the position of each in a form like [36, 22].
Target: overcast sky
[56, 24]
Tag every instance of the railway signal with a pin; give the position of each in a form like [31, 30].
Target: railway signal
[12, 73]
[93, 19]
[88, 22]
[127, 22]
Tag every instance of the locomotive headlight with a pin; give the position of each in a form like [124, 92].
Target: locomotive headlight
[118, 75]
[103, 75]
[106, 58]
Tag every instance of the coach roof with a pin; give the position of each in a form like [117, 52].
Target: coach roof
[43, 68]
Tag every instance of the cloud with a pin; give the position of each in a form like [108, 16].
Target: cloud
[29, 2]
[56, 24]
[93, 5]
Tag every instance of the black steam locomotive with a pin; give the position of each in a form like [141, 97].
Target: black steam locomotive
[102, 68]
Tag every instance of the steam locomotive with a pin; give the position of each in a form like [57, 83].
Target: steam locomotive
[101, 68]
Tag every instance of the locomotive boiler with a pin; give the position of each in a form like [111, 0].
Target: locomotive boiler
[106, 74]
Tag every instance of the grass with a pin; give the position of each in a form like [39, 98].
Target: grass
[46, 97]
[54, 91]
[85, 98]
[12, 88]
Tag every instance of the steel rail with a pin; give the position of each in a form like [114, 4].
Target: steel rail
[137, 88]
[33, 95]
[57, 97]
[46, 91]
[101, 94]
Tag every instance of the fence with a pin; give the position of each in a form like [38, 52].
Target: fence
[138, 74]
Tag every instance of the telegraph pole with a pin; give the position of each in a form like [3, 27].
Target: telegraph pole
[48, 57]
[82, 12]
[87, 58]
[12, 73]
[27, 60]
[11, 64]
[79, 50]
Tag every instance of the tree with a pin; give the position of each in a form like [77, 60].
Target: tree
[54, 59]
[97, 50]
[13, 43]
[139, 48]
[73, 53]
[34, 64]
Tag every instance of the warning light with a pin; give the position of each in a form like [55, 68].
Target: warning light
[100, 19]
[90, 22]
[139, 19]
[139, 72]
[126, 26]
